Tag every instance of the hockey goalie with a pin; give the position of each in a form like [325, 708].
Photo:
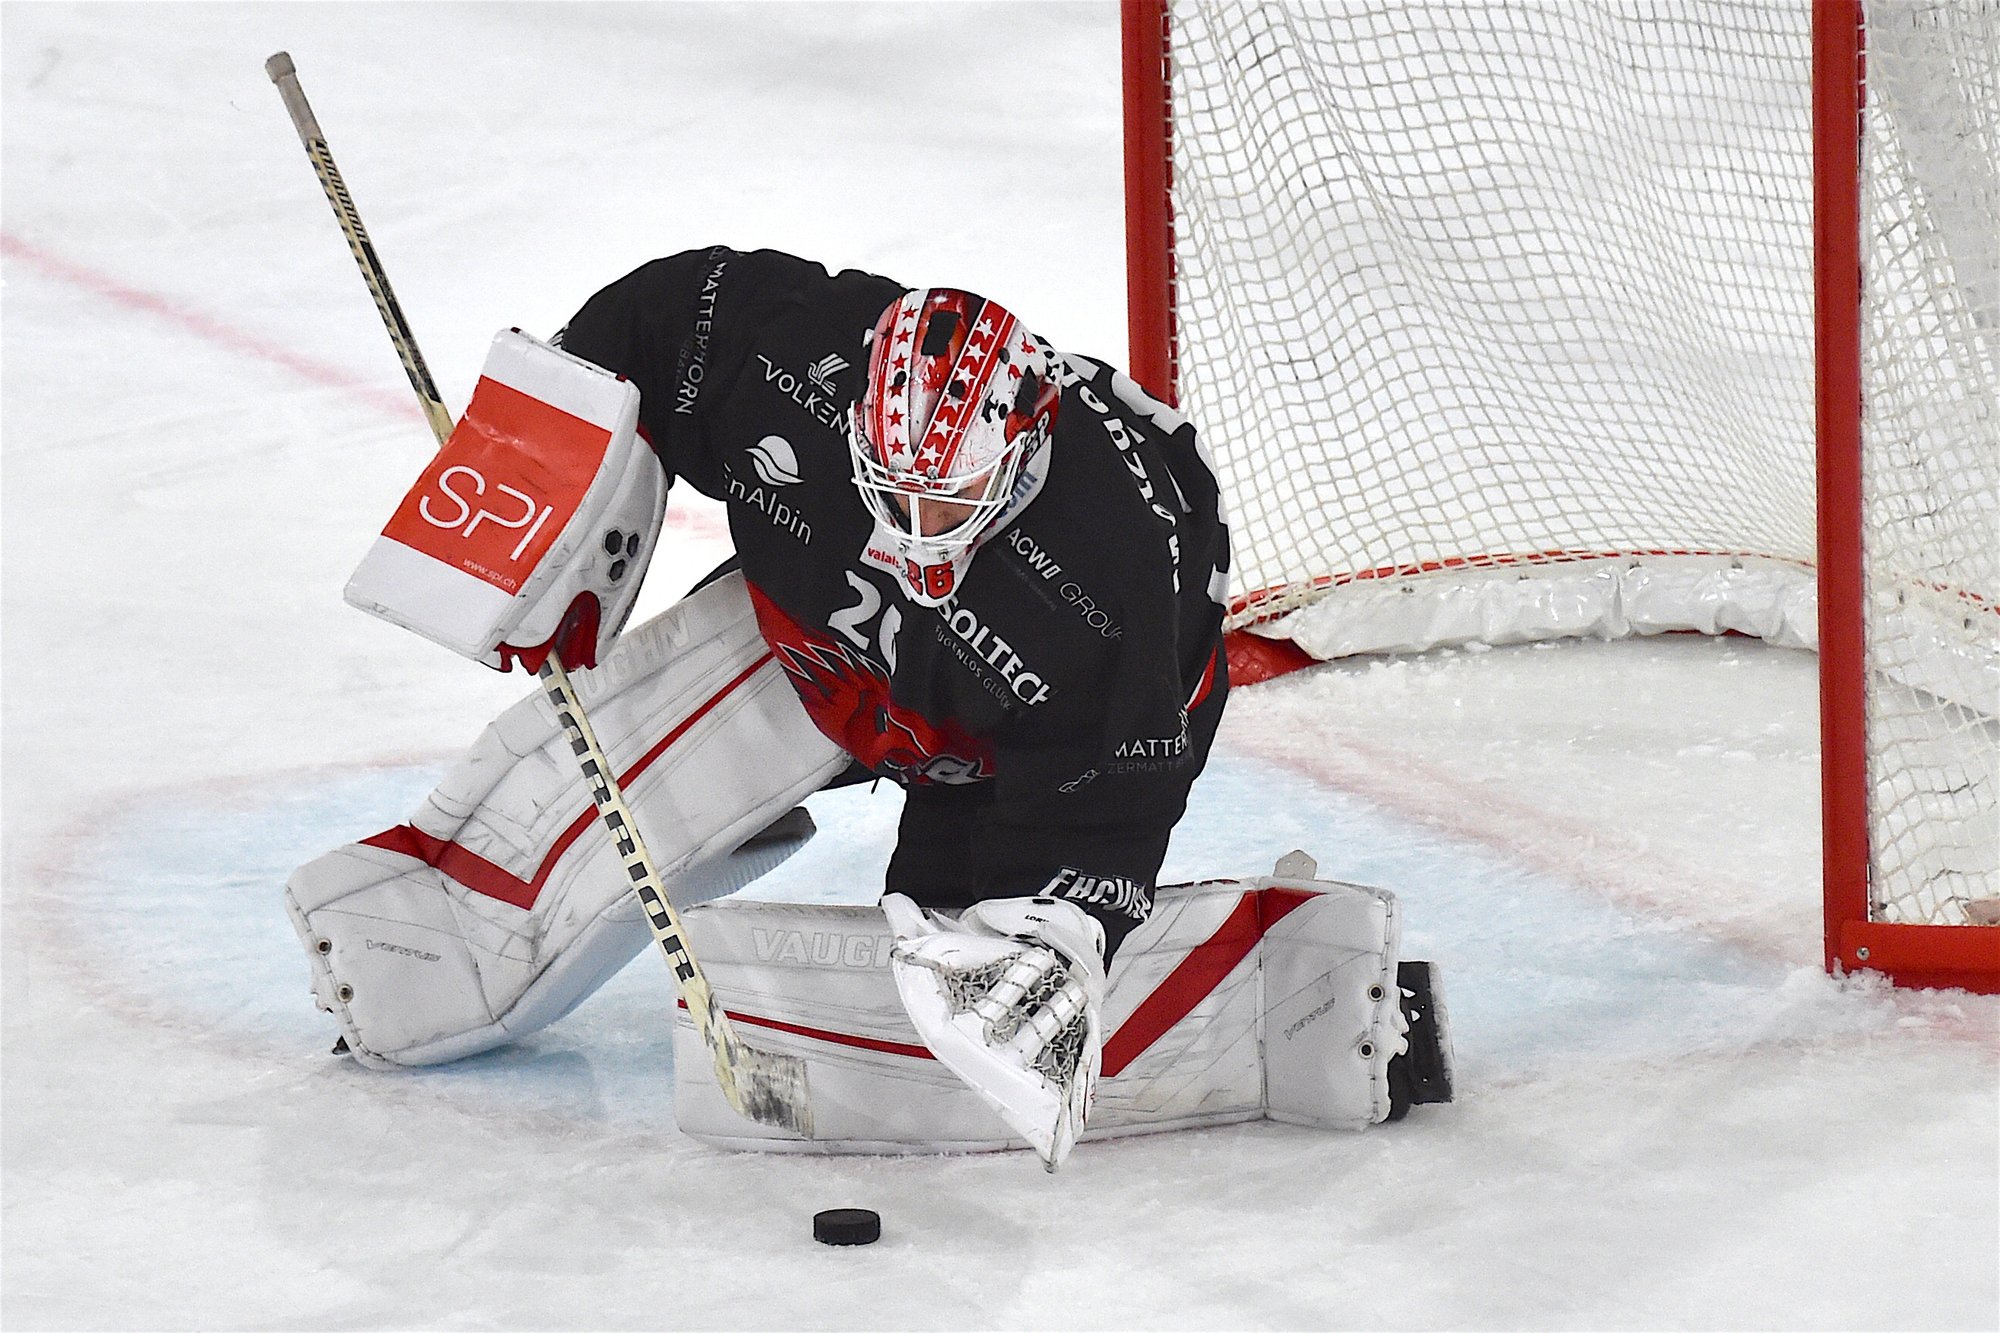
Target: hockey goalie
[965, 562]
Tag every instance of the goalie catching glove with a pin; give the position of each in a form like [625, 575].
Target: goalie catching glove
[533, 525]
[1010, 998]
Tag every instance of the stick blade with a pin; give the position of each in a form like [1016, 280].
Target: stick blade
[768, 1088]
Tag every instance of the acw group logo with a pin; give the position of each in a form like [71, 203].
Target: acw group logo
[775, 461]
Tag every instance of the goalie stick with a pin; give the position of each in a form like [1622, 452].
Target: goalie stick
[763, 1086]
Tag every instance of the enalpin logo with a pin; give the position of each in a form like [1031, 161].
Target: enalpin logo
[775, 461]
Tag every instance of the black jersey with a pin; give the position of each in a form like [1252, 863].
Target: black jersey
[1047, 720]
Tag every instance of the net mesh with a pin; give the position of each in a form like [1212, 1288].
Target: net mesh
[1472, 287]
[1496, 284]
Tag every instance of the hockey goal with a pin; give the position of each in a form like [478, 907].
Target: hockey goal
[1513, 321]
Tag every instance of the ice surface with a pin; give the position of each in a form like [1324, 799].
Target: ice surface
[1670, 1117]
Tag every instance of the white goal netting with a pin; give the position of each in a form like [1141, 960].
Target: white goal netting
[1499, 320]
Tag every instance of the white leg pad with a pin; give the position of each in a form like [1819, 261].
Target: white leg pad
[502, 904]
[1332, 1016]
[1237, 1000]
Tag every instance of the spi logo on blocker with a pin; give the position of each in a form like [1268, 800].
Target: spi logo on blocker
[532, 526]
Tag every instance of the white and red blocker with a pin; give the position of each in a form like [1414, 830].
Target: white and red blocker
[532, 527]
[1271, 998]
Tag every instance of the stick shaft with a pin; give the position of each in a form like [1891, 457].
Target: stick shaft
[758, 1084]
[282, 73]
[606, 794]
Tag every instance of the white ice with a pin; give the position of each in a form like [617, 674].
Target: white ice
[1669, 1115]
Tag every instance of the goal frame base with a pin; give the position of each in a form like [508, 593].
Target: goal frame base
[1930, 957]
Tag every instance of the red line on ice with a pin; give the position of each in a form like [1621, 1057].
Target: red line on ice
[1618, 867]
[202, 326]
[698, 523]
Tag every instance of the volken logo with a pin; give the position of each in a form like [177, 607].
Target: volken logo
[822, 371]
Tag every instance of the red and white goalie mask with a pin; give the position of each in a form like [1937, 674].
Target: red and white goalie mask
[949, 435]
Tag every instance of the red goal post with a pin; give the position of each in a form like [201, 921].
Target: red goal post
[1515, 322]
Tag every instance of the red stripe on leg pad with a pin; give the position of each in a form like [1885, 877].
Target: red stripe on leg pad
[473, 871]
[1207, 966]
[480, 875]
[902, 1048]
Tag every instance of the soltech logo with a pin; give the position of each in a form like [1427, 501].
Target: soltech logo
[991, 655]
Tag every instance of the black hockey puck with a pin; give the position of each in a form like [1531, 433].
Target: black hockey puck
[847, 1226]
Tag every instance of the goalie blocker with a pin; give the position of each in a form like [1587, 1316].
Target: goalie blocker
[533, 526]
[1281, 998]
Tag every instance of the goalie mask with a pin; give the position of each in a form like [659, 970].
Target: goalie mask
[949, 437]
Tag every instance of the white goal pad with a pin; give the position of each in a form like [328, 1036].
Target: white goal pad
[1237, 1000]
[503, 903]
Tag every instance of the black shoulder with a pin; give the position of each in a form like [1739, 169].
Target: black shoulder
[681, 328]
[770, 281]
[638, 325]
[1143, 452]
[1110, 392]
[641, 325]
[1143, 472]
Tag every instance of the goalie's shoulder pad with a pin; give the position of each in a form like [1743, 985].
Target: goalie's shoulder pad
[533, 525]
